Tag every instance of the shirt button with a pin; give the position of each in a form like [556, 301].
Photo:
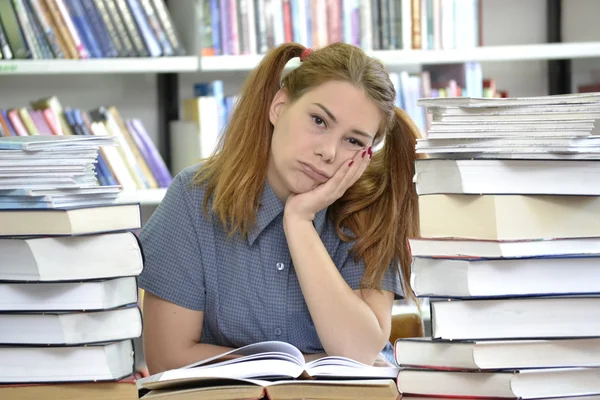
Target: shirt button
[278, 331]
[280, 266]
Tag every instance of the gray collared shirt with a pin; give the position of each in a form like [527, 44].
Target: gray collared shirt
[247, 288]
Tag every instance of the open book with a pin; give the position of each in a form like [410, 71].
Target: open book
[267, 361]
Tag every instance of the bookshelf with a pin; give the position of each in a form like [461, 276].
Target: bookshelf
[245, 63]
[401, 58]
[100, 66]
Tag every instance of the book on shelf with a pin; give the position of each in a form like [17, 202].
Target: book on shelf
[508, 253]
[133, 162]
[273, 365]
[83, 29]
[252, 27]
[68, 290]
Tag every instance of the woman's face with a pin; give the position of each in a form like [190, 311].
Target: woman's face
[314, 135]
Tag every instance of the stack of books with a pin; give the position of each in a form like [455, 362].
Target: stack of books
[510, 251]
[68, 290]
[134, 164]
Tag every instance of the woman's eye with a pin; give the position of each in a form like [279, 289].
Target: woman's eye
[356, 142]
[318, 120]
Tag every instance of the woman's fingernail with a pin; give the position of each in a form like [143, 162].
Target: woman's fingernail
[351, 162]
[363, 154]
[370, 151]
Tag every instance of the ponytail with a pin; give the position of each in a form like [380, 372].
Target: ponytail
[243, 151]
[381, 208]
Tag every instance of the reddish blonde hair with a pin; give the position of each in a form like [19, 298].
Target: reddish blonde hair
[380, 208]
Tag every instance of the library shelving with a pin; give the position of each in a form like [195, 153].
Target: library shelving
[400, 58]
[217, 64]
[100, 66]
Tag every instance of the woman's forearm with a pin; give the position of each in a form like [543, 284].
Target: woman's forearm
[346, 325]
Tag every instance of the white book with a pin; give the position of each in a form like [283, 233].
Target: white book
[508, 155]
[578, 98]
[68, 296]
[526, 141]
[108, 362]
[516, 318]
[70, 258]
[555, 177]
[38, 143]
[432, 277]
[70, 328]
[475, 249]
[519, 384]
[70, 221]
[494, 355]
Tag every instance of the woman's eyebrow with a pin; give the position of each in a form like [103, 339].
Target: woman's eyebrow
[330, 115]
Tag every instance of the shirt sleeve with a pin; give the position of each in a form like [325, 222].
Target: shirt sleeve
[173, 267]
[352, 271]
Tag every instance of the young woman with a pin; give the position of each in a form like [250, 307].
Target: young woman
[295, 230]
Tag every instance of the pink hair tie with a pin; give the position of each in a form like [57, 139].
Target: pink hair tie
[305, 53]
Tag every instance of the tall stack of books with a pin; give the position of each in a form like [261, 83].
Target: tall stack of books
[510, 250]
[68, 291]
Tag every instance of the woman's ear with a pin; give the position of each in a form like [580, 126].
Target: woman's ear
[277, 105]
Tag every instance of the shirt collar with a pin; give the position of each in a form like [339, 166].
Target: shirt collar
[269, 208]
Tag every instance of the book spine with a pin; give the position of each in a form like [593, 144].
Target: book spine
[121, 30]
[98, 28]
[131, 28]
[37, 30]
[13, 32]
[62, 33]
[215, 20]
[146, 33]
[234, 40]
[158, 30]
[162, 175]
[27, 30]
[110, 28]
[366, 25]
[261, 27]
[4, 47]
[243, 26]
[167, 24]
[83, 27]
[288, 33]
[251, 27]
[9, 125]
[66, 17]
[46, 28]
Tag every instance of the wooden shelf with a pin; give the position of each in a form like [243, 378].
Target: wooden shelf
[99, 66]
[150, 197]
[399, 58]
[412, 309]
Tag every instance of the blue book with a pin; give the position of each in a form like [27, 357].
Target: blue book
[144, 28]
[99, 29]
[82, 26]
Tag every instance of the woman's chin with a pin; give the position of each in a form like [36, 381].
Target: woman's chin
[303, 186]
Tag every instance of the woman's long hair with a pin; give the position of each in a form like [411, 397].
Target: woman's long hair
[380, 209]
